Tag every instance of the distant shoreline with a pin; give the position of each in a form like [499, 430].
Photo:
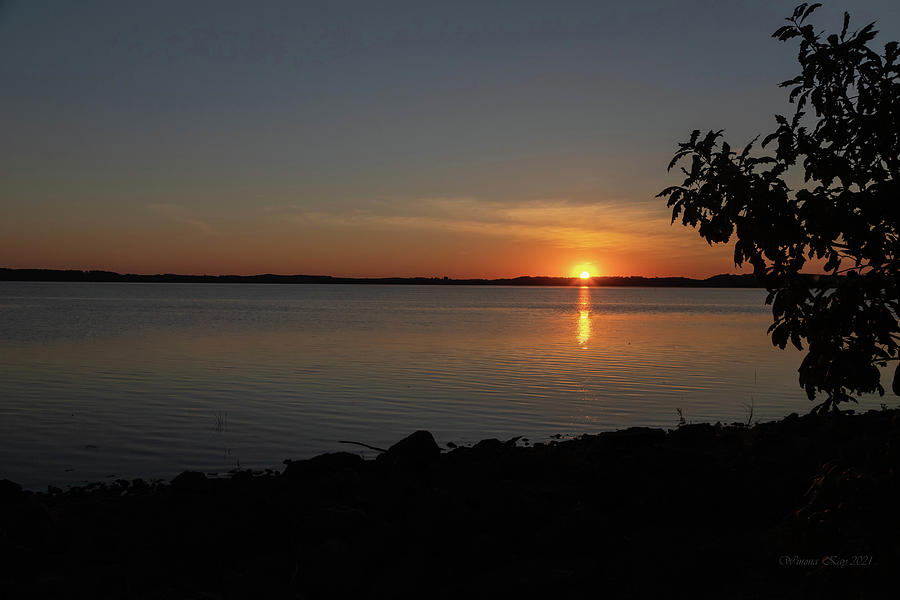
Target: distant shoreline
[716, 281]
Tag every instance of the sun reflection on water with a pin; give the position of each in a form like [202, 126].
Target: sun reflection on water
[584, 316]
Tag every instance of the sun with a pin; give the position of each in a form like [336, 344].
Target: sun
[585, 275]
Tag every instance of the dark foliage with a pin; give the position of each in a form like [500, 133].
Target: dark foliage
[840, 213]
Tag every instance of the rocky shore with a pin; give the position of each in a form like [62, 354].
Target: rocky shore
[803, 507]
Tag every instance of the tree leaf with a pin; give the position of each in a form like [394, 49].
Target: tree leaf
[810, 10]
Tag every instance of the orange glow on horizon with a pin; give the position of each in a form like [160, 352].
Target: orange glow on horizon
[347, 252]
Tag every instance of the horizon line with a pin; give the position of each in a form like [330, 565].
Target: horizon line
[363, 277]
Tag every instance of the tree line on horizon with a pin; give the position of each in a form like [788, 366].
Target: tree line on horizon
[74, 275]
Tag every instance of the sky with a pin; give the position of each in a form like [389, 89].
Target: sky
[460, 139]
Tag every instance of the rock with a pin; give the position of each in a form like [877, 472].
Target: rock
[637, 434]
[488, 446]
[416, 450]
[240, 475]
[324, 463]
[10, 492]
[190, 481]
[633, 437]
[693, 435]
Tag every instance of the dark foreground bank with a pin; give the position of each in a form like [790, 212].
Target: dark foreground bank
[804, 507]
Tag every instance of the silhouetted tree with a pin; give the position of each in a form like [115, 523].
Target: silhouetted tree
[828, 195]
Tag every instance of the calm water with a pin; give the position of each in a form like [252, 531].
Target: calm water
[147, 380]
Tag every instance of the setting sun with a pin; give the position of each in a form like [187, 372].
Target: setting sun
[585, 275]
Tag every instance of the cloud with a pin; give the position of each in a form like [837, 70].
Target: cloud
[178, 214]
[602, 225]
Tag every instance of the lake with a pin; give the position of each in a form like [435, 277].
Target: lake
[123, 380]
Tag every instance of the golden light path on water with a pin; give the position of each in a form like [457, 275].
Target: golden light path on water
[584, 316]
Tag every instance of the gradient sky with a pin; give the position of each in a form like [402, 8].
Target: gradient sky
[467, 139]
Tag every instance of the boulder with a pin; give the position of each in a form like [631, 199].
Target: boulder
[324, 463]
[190, 481]
[416, 450]
[10, 492]
[693, 435]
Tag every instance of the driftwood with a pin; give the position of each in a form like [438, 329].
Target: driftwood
[363, 445]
